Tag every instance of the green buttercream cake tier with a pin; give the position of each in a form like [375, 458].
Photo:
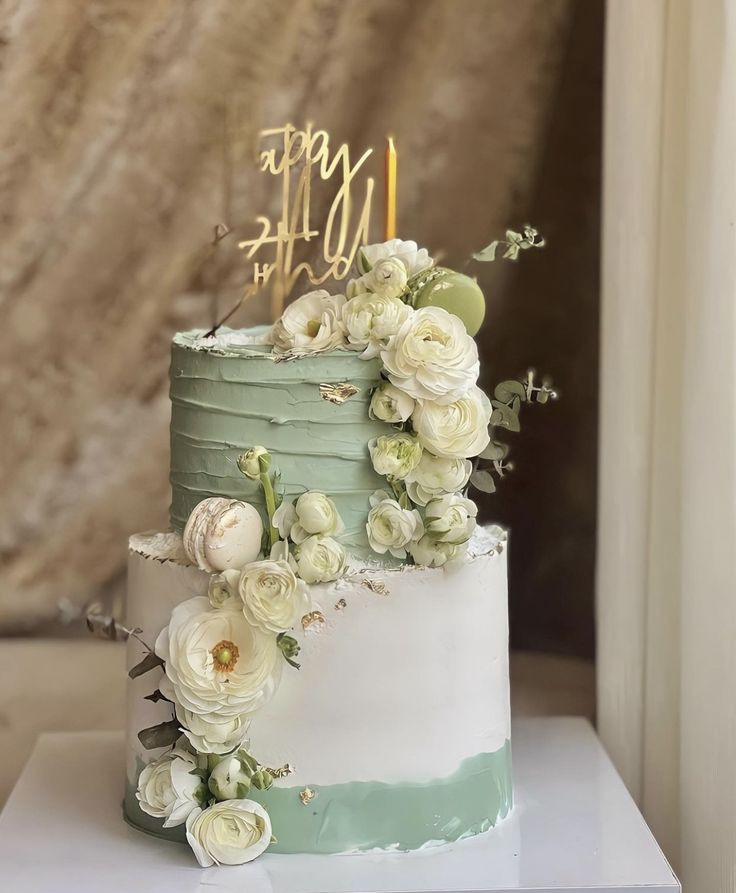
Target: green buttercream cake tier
[228, 396]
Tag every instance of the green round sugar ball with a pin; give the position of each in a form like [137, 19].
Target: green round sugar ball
[458, 294]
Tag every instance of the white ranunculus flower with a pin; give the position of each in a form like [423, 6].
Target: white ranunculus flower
[395, 455]
[284, 519]
[212, 733]
[390, 527]
[435, 476]
[429, 552]
[371, 320]
[389, 404]
[229, 833]
[168, 790]
[273, 597]
[454, 430]
[432, 356]
[450, 518]
[315, 514]
[320, 559]
[387, 277]
[216, 661]
[311, 324]
[223, 590]
[413, 258]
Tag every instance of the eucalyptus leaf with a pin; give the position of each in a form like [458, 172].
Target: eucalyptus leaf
[163, 735]
[488, 253]
[483, 481]
[150, 662]
[514, 243]
[505, 416]
[506, 390]
[495, 451]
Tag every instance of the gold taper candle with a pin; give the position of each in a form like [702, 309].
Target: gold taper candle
[390, 229]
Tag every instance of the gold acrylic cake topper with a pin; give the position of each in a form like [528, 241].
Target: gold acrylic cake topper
[297, 157]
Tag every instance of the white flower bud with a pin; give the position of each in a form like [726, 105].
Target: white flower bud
[254, 461]
[390, 527]
[315, 514]
[450, 518]
[389, 404]
[395, 455]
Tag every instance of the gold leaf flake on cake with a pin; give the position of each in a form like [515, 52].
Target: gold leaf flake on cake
[307, 795]
[282, 771]
[312, 618]
[377, 586]
[338, 393]
[340, 604]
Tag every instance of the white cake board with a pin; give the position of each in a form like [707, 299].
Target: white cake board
[574, 828]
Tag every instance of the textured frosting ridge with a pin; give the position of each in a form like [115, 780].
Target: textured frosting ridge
[228, 396]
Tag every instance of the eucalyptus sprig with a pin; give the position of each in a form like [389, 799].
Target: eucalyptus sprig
[507, 399]
[514, 243]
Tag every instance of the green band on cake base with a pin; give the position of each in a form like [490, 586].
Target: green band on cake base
[224, 402]
[366, 815]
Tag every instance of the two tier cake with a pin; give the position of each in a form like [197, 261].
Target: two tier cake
[319, 650]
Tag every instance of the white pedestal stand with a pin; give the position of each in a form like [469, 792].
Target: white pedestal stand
[574, 828]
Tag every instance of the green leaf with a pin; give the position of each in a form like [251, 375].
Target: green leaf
[262, 780]
[150, 662]
[495, 451]
[249, 763]
[242, 790]
[506, 390]
[361, 261]
[483, 481]
[163, 735]
[505, 416]
[488, 253]
[156, 696]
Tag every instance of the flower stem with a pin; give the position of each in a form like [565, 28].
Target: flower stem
[270, 497]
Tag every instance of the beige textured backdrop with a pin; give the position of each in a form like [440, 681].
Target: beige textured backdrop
[111, 178]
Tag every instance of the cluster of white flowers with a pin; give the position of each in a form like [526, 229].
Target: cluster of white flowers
[223, 827]
[368, 318]
[222, 658]
[430, 395]
[311, 524]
